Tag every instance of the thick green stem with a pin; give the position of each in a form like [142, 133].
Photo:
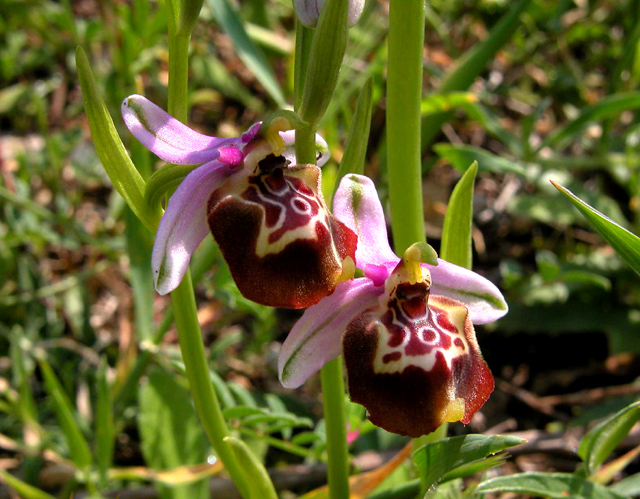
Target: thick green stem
[404, 92]
[184, 302]
[336, 424]
[204, 396]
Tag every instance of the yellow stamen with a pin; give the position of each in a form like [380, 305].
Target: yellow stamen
[348, 270]
[453, 411]
[278, 124]
[415, 271]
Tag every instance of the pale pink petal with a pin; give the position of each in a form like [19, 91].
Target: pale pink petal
[184, 224]
[171, 140]
[356, 205]
[317, 336]
[483, 299]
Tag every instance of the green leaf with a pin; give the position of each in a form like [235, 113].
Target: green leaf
[242, 411]
[255, 60]
[470, 65]
[601, 440]
[170, 432]
[437, 459]
[105, 431]
[260, 485]
[626, 244]
[356, 149]
[111, 152]
[629, 487]
[78, 446]
[456, 232]
[608, 107]
[23, 489]
[551, 485]
[461, 156]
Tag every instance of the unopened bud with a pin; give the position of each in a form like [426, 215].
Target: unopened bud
[308, 11]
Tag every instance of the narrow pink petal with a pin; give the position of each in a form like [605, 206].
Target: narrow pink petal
[317, 336]
[483, 299]
[356, 204]
[184, 224]
[168, 138]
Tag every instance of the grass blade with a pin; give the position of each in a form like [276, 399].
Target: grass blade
[626, 244]
[255, 60]
[78, 446]
[456, 233]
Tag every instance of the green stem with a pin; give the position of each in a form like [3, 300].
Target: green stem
[178, 76]
[336, 426]
[404, 92]
[204, 396]
[184, 302]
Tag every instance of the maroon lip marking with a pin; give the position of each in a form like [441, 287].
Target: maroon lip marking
[278, 199]
[391, 357]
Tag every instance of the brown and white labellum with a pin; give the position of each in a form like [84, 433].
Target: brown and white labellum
[283, 246]
[413, 361]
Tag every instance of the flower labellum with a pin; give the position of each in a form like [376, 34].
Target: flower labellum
[405, 328]
[308, 11]
[283, 246]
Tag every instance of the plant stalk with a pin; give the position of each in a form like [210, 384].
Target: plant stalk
[184, 302]
[404, 93]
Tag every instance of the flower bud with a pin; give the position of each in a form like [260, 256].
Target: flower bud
[308, 11]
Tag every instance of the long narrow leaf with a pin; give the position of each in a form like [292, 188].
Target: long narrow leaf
[626, 244]
[78, 446]
[255, 60]
[356, 149]
[601, 440]
[24, 489]
[105, 432]
[609, 107]
[456, 233]
[437, 459]
[470, 65]
[551, 485]
[111, 152]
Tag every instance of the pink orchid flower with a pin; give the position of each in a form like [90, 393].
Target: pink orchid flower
[405, 328]
[283, 246]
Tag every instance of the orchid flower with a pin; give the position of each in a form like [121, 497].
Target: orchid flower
[267, 214]
[405, 328]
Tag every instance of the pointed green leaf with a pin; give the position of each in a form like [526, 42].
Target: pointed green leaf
[601, 440]
[626, 244]
[171, 435]
[111, 152]
[551, 485]
[628, 487]
[255, 60]
[437, 459]
[356, 149]
[608, 107]
[260, 484]
[456, 233]
[78, 446]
